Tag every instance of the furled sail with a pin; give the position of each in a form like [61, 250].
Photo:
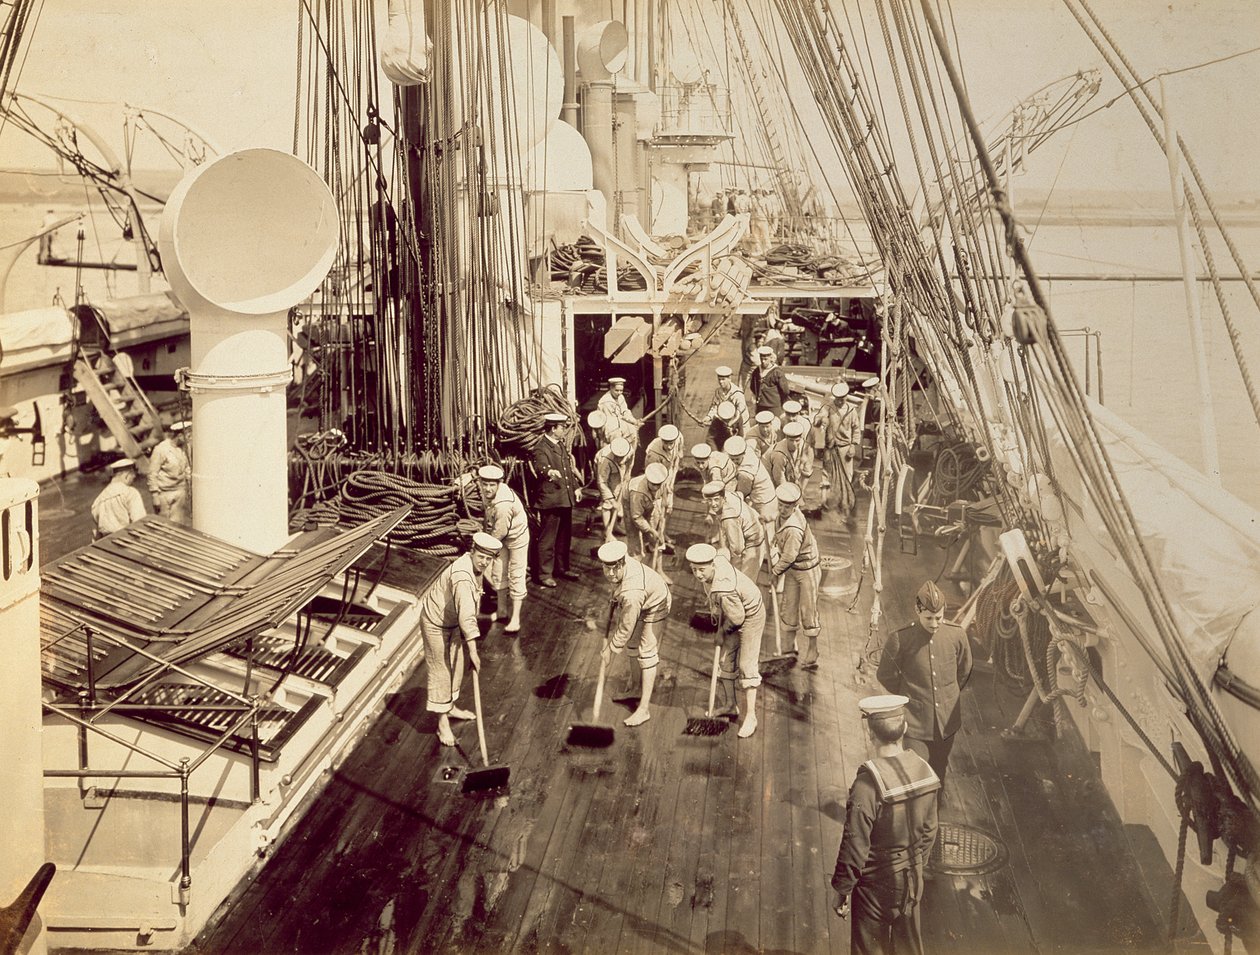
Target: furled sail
[405, 47]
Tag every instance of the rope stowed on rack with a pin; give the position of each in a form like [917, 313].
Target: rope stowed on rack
[521, 424]
[432, 527]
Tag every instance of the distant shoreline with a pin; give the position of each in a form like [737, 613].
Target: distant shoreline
[1080, 208]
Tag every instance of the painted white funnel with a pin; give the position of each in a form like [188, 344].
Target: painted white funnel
[244, 239]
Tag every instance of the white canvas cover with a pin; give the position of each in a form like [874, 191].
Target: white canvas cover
[1203, 541]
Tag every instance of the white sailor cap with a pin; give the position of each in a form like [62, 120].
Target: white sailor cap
[713, 489]
[839, 389]
[735, 445]
[788, 493]
[870, 382]
[701, 451]
[701, 554]
[177, 426]
[490, 472]
[668, 433]
[554, 417]
[791, 406]
[619, 447]
[487, 543]
[794, 429]
[765, 417]
[723, 371]
[656, 473]
[596, 420]
[889, 704]
[122, 464]
[765, 350]
[617, 381]
[726, 410]
[613, 552]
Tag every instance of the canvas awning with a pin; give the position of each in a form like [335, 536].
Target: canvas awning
[158, 593]
[34, 338]
[131, 321]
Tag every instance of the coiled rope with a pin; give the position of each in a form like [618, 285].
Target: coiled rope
[431, 527]
[521, 424]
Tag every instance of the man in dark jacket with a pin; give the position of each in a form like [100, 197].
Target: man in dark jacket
[889, 829]
[930, 662]
[556, 483]
[768, 383]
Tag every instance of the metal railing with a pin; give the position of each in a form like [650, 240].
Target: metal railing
[694, 109]
[90, 709]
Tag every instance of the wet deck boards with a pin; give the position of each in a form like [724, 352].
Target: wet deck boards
[666, 842]
[673, 843]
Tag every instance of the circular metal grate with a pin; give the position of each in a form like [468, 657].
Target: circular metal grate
[965, 850]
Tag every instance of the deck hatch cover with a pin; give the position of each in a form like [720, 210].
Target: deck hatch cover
[178, 609]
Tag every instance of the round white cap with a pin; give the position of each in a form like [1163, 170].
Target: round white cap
[619, 447]
[487, 542]
[596, 419]
[668, 433]
[554, 417]
[886, 705]
[726, 410]
[794, 429]
[713, 489]
[612, 553]
[765, 350]
[791, 407]
[701, 554]
[656, 473]
[765, 417]
[490, 472]
[722, 371]
[735, 445]
[701, 451]
[616, 381]
[788, 493]
[839, 389]
[122, 464]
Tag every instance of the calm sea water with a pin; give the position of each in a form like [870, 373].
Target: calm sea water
[1147, 372]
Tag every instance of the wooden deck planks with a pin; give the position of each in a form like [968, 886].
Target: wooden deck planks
[662, 843]
[778, 914]
[486, 873]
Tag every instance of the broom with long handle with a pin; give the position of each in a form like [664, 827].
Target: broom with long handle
[594, 733]
[488, 777]
[780, 661]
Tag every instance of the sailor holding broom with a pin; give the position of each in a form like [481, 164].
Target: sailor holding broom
[448, 623]
[741, 614]
[642, 601]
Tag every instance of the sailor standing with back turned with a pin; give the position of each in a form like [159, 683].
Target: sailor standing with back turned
[889, 829]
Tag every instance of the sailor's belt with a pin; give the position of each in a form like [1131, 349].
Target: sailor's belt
[817, 561]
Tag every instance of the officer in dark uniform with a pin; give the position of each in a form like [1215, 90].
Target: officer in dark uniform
[889, 830]
[555, 491]
[930, 662]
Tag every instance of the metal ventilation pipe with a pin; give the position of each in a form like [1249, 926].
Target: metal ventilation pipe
[601, 53]
[243, 239]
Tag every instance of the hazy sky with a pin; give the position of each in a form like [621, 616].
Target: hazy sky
[227, 68]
